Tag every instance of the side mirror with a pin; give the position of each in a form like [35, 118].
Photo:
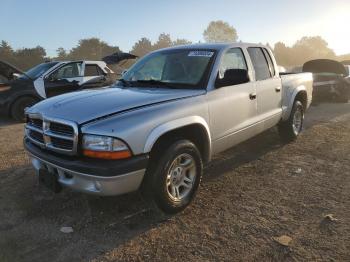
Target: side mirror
[15, 76]
[233, 77]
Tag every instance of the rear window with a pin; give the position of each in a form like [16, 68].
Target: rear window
[261, 67]
[92, 70]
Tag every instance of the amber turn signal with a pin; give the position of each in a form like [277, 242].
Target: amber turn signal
[107, 155]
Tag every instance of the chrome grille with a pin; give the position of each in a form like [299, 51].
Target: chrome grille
[62, 143]
[54, 134]
[37, 136]
[61, 129]
[36, 122]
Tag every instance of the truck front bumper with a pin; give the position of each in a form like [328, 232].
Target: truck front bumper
[104, 178]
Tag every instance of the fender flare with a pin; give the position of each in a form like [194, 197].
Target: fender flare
[290, 101]
[160, 130]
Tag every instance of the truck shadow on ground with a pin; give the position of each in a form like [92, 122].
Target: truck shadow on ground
[248, 151]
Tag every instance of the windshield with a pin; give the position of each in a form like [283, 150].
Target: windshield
[38, 70]
[179, 68]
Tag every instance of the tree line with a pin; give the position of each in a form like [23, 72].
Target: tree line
[307, 48]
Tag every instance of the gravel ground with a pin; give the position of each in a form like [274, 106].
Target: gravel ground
[250, 195]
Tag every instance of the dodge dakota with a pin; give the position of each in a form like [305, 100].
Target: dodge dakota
[157, 127]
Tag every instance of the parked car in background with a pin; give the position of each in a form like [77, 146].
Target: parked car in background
[170, 113]
[330, 80]
[8, 72]
[48, 80]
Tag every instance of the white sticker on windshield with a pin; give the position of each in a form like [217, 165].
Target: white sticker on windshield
[202, 53]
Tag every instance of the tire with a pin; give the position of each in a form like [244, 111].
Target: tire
[290, 129]
[178, 165]
[18, 107]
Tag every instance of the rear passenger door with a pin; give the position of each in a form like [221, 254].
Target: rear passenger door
[93, 77]
[268, 86]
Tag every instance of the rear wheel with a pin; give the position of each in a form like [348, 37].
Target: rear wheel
[290, 129]
[175, 176]
[18, 107]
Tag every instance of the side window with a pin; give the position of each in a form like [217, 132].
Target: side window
[232, 59]
[70, 70]
[92, 70]
[269, 60]
[261, 67]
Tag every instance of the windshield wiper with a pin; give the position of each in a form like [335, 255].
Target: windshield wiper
[155, 83]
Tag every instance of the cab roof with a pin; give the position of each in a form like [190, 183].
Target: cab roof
[215, 46]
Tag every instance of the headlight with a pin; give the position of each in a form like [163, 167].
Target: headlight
[105, 147]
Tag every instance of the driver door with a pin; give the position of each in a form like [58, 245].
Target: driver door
[65, 79]
[232, 109]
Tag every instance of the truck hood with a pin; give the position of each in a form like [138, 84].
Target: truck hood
[85, 106]
[117, 57]
[7, 70]
[324, 66]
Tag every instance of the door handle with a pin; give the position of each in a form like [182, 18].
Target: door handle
[252, 96]
[278, 89]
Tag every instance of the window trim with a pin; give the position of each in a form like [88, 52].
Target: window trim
[269, 62]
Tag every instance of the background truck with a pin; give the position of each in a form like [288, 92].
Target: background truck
[163, 121]
[331, 80]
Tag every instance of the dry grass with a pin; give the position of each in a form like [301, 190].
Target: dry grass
[250, 195]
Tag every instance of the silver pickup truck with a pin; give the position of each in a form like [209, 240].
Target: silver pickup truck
[163, 121]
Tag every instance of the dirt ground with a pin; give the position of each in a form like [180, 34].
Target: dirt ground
[251, 194]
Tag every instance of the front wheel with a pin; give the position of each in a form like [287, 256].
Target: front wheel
[175, 176]
[19, 106]
[290, 129]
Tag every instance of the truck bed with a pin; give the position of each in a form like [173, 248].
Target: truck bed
[291, 84]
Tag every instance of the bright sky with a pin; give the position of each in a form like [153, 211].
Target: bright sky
[62, 23]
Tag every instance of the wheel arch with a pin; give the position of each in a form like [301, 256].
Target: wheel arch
[299, 93]
[193, 128]
[19, 96]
